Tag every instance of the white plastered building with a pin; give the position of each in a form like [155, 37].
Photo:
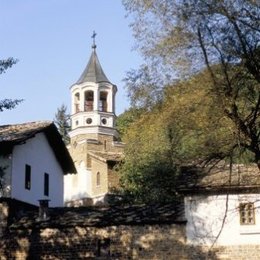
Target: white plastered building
[33, 162]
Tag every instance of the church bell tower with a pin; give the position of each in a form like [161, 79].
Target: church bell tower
[94, 144]
[93, 101]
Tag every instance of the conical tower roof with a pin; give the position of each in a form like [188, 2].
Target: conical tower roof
[93, 71]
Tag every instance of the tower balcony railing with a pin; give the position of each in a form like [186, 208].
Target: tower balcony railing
[88, 107]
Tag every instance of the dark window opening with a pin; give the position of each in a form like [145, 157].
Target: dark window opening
[27, 177]
[46, 184]
[89, 121]
[89, 101]
[103, 102]
[103, 247]
[98, 178]
[104, 121]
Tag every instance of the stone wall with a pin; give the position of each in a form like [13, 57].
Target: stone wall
[94, 142]
[115, 242]
[101, 168]
[27, 238]
[82, 148]
[10, 210]
[166, 241]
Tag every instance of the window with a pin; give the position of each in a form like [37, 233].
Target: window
[103, 101]
[247, 213]
[89, 121]
[98, 178]
[89, 99]
[27, 177]
[104, 121]
[103, 247]
[46, 184]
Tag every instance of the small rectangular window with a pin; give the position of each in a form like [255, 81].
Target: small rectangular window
[27, 177]
[247, 213]
[46, 184]
[98, 178]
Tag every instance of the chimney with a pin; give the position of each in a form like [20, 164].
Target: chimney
[43, 210]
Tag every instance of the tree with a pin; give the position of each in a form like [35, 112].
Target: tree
[8, 103]
[126, 119]
[186, 128]
[144, 87]
[224, 36]
[5, 64]
[147, 173]
[62, 121]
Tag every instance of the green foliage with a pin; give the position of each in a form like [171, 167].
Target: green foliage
[8, 103]
[188, 35]
[124, 121]
[199, 128]
[62, 121]
[149, 183]
[147, 172]
[143, 87]
[187, 127]
[209, 114]
[168, 33]
[5, 64]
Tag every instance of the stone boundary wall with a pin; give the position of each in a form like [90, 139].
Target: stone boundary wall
[10, 210]
[115, 242]
[165, 241]
[43, 240]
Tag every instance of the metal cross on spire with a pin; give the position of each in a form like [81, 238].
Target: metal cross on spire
[94, 46]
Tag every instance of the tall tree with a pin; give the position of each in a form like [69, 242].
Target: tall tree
[8, 103]
[147, 173]
[62, 121]
[224, 36]
[186, 127]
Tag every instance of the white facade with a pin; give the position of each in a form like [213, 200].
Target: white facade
[88, 108]
[37, 153]
[215, 219]
[77, 186]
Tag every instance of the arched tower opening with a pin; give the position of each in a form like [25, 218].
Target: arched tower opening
[89, 101]
[103, 101]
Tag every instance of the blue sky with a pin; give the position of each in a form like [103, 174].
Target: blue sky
[52, 41]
